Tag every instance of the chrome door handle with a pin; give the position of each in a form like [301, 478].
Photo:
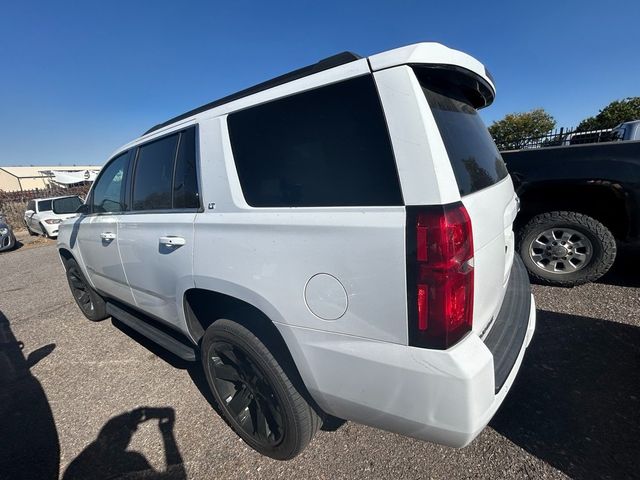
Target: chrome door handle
[107, 236]
[172, 241]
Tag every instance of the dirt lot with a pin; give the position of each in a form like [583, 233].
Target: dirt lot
[69, 390]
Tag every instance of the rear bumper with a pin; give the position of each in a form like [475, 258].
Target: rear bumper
[442, 396]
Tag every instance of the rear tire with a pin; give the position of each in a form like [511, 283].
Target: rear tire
[255, 395]
[566, 248]
[91, 304]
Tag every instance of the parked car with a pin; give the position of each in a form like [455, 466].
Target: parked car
[577, 202]
[334, 242]
[7, 238]
[627, 131]
[44, 215]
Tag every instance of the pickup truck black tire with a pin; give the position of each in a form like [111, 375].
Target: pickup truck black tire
[602, 255]
[256, 397]
[91, 304]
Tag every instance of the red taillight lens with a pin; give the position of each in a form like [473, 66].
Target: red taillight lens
[440, 274]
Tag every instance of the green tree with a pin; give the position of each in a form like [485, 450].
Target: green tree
[613, 114]
[513, 130]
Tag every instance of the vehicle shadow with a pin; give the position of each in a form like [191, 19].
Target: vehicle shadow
[107, 456]
[624, 272]
[29, 444]
[576, 401]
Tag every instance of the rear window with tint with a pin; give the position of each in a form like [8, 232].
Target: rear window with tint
[323, 147]
[475, 159]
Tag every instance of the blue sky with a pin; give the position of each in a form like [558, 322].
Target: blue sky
[78, 80]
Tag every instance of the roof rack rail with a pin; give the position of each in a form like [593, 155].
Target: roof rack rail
[324, 64]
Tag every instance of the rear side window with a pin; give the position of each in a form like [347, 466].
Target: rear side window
[44, 206]
[185, 182]
[324, 147]
[475, 159]
[154, 174]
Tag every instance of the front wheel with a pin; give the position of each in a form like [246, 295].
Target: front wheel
[256, 397]
[566, 248]
[88, 300]
[31, 232]
[44, 231]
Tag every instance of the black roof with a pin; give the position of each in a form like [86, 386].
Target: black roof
[324, 64]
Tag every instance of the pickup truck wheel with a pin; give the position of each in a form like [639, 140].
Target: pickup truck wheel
[255, 395]
[566, 248]
[89, 301]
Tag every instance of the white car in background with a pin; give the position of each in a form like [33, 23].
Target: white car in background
[44, 215]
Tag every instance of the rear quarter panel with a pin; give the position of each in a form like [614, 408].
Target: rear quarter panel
[267, 256]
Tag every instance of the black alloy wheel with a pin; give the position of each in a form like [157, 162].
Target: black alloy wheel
[257, 389]
[247, 395]
[80, 292]
[88, 300]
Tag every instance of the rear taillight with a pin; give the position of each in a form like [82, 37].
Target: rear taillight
[439, 275]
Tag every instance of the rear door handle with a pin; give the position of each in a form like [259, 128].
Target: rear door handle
[172, 241]
[107, 236]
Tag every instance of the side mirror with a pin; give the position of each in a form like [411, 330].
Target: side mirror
[83, 209]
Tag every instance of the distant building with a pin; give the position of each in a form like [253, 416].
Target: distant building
[14, 179]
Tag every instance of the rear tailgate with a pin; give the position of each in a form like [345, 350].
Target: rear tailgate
[485, 187]
[492, 212]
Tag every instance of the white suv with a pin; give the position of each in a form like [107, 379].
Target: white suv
[334, 242]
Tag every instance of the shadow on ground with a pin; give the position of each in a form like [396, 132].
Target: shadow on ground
[576, 401]
[29, 445]
[107, 456]
[625, 271]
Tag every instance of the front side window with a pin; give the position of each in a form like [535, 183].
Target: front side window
[44, 206]
[152, 184]
[31, 205]
[324, 147]
[108, 192]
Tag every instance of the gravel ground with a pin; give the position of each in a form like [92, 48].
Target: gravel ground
[70, 393]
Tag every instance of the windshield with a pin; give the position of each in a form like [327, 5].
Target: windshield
[66, 205]
[475, 159]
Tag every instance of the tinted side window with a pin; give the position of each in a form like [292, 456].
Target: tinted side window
[324, 147]
[154, 174]
[44, 206]
[108, 192]
[185, 182]
[31, 205]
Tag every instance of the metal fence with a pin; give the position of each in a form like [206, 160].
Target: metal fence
[560, 137]
[14, 204]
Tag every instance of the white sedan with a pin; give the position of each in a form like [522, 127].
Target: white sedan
[44, 215]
